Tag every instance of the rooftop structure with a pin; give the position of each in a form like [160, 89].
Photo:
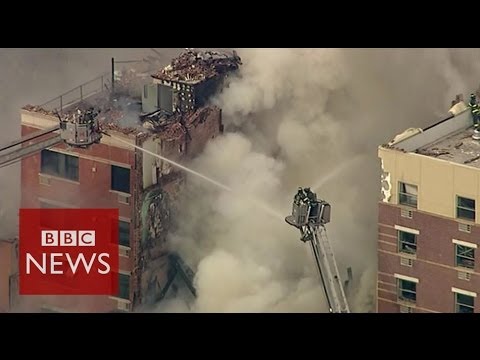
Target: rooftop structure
[165, 107]
[193, 67]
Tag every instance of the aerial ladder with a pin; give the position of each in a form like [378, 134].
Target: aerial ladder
[310, 216]
[80, 129]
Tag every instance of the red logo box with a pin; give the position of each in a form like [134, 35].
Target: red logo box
[68, 252]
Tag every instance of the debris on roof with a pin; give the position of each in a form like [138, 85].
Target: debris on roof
[37, 109]
[471, 160]
[196, 66]
[434, 152]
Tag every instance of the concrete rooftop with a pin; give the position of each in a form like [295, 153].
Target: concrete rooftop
[449, 139]
[458, 147]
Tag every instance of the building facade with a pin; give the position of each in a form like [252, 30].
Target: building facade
[114, 174]
[428, 226]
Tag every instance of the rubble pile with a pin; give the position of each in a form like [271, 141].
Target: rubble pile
[196, 66]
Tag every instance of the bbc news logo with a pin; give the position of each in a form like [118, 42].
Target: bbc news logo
[67, 238]
[68, 252]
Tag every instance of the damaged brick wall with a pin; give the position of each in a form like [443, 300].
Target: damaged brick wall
[135, 279]
[206, 125]
[156, 207]
[153, 265]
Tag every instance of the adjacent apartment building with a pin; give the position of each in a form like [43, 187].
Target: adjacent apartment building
[429, 226]
[170, 115]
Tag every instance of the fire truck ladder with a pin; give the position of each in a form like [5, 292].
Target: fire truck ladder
[28, 146]
[310, 215]
[327, 267]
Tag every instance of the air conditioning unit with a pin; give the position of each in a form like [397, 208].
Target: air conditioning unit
[465, 227]
[43, 180]
[124, 199]
[123, 306]
[463, 275]
[123, 251]
[406, 309]
[406, 213]
[406, 261]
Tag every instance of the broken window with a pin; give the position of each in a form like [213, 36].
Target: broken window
[465, 208]
[60, 165]
[464, 256]
[464, 303]
[121, 179]
[124, 286]
[407, 194]
[407, 242]
[124, 233]
[407, 290]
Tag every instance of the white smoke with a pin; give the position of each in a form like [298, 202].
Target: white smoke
[305, 117]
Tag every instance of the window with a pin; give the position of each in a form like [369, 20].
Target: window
[407, 290]
[464, 256]
[124, 233]
[407, 242]
[464, 303]
[407, 194]
[60, 165]
[465, 208]
[121, 179]
[124, 286]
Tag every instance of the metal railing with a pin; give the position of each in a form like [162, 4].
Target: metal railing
[79, 93]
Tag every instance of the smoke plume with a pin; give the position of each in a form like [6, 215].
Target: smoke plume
[305, 117]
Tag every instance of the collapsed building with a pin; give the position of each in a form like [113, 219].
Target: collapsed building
[167, 113]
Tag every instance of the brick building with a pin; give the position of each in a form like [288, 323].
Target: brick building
[428, 224]
[167, 113]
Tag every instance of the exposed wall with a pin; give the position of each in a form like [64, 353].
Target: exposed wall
[149, 163]
[153, 260]
[158, 202]
[433, 265]
[206, 127]
[438, 181]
